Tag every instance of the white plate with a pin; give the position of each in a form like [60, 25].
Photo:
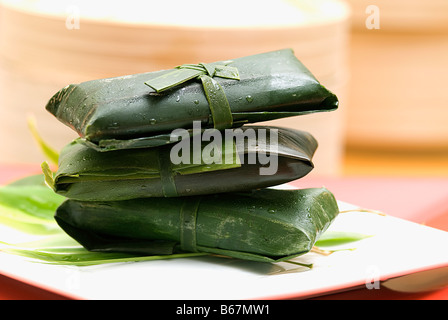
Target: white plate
[397, 248]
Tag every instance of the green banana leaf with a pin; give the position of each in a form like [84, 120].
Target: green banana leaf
[127, 112]
[27, 205]
[86, 174]
[268, 225]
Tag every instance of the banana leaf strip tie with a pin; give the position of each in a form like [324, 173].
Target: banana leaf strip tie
[125, 112]
[261, 225]
[86, 174]
[218, 103]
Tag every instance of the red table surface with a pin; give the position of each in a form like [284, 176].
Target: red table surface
[421, 200]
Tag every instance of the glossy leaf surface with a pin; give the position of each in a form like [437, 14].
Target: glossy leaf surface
[262, 225]
[86, 174]
[123, 113]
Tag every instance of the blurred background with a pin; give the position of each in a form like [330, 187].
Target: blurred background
[386, 60]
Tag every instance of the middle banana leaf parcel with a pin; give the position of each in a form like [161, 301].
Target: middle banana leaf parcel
[90, 175]
[141, 110]
[267, 225]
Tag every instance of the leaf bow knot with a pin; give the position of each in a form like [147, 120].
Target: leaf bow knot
[217, 100]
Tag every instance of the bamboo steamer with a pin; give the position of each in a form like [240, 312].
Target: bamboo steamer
[45, 45]
[398, 93]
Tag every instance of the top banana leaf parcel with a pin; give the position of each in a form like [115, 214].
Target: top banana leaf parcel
[141, 110]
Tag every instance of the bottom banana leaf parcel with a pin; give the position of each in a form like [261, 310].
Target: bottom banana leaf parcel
[268, 225]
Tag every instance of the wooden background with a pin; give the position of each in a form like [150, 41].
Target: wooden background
[391, 81]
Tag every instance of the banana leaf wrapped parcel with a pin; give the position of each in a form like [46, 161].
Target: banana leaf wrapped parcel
[261, 225]
[141, 110]
[284, 154]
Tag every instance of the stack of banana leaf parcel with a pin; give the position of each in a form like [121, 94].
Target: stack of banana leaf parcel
[172, 161]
